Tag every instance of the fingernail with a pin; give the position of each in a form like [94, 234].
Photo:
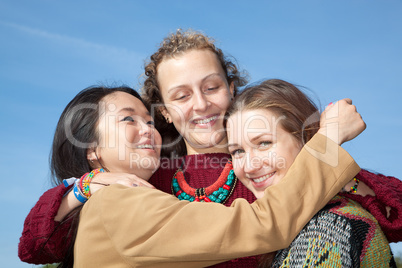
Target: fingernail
[135, 185]
[330, 103]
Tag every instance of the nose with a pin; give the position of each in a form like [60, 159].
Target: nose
[200, 102]
[146, 129]
[253, 163]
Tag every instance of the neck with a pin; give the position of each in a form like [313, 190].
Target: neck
[219, 148]
[141, 173]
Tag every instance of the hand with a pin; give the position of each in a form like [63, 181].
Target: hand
[341, 122]
[362, 189]
[69, 202]
[101, 180]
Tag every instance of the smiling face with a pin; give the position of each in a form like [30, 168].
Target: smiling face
[262, 151]
[128, 140]
[196, 95]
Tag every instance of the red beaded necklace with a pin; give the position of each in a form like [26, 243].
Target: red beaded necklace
[218, 192]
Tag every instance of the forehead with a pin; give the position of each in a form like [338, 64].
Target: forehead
[119, 100]
[248, 123]
[189, 64]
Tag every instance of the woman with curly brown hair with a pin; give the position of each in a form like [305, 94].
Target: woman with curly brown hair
[189, 62]
[188, 87]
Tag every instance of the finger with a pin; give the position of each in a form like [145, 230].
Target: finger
[349, 101]
[108, 177]
[144, 183]
[140, 181]
[328, 106]
[125, 183]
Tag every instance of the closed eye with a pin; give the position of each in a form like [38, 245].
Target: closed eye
[182, 96]
[210, 90]
[128, 118]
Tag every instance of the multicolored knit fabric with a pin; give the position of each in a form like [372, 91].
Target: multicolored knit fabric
[342, 234]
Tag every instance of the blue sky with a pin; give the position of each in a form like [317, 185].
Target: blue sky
[50, 50]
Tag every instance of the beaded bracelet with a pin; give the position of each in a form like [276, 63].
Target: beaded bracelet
[80, 181]
[78, 194]
[86, 180]
[353, 189]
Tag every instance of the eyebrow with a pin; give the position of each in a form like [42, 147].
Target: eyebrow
[259, 136]
[131, 110]
[127, 109]
[233, 145]
[253, 139]
[202, 81]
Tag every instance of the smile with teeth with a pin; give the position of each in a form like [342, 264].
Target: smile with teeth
[263, 178]
[145, 146]
[205, 121]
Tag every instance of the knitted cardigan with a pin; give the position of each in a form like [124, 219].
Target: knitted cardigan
[44, 241]
[342, 234]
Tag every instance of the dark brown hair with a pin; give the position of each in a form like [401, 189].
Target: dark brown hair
[173, 45]
[76, 132]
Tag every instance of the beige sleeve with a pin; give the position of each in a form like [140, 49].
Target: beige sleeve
[148, 227]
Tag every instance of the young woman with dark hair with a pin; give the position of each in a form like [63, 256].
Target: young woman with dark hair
[76, 140]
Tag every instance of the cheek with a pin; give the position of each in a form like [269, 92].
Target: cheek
[282, 162]
[109, 147]
[108, 138]
[237, 169]
[225, 101]
[261, 158]
[108, 133]
[130, 135]
[157, 139]
[286, 158]
[239, 172]
[179, 113]
[291, 159]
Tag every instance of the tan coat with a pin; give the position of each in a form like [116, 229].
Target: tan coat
[141, 227]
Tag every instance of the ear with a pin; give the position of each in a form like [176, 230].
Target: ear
[91, 155]
[165, 114]
[231, 89]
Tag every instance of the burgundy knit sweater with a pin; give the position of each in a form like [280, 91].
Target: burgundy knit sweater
[41, 242]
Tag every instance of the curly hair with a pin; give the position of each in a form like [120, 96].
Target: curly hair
[172, 45]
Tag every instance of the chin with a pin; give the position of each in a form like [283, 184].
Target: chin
[258, 194]
[151, 163]
[208, 140]
[156, 165]
[145, 162]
